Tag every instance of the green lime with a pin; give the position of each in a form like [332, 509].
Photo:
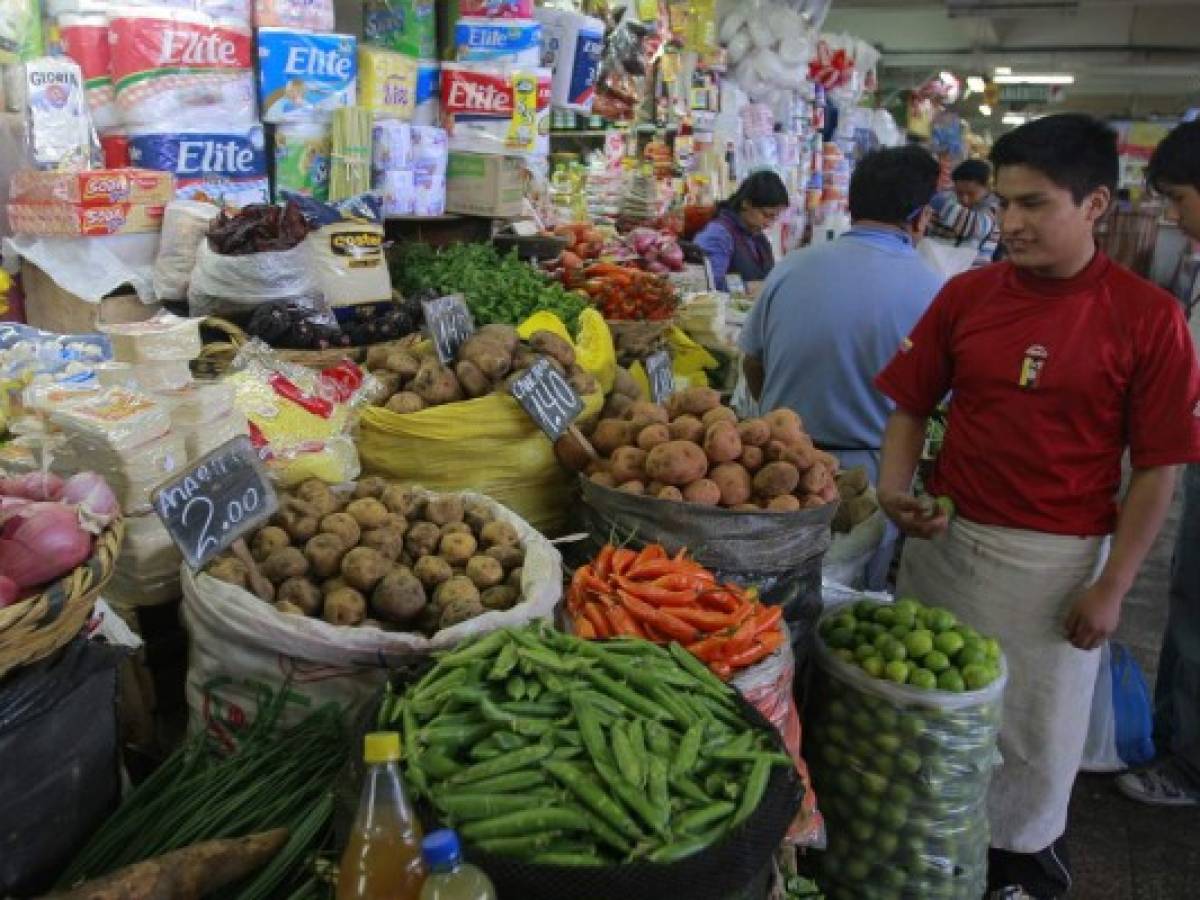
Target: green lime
[893, 879]
[861, 830]
[951, 680]
[846, 656]
[844, 620]
[886, 844]
[892, 817]
[882, 640]
[923, 679]
[871, 630]
[862, 651]
[935, 662]
[976, 677]
[885, 616]
[836, 733]
[900, 795]
[940, 620]
[873, 665]
[912, 726]
[912, 605]
[837, 710]
[886, 717]
[865, 609]
[919, 643]
[905, 617]
[899, 631]
[868, 806]
[896, 671]
[908, 762]
[832, 755]
[883, 763]
[887, 742]
[973, 653]
[840, 637]
[893, 651]
[862, 722]
[949, 642]
[845, 782]
[857, 870]
[991, 647]
[874, 783]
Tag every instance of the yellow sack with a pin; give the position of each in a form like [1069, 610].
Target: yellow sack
[594, 349]
[688, 358]
[544, 321]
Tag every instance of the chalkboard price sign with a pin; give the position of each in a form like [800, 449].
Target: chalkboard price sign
[549, 400]
[660, 375]
[449, 323]
[220, 498]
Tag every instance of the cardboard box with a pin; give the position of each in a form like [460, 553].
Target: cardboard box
[99, 187]
[49, 307]
[480, 185]
[73, 220]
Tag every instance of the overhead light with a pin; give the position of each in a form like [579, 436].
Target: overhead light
[984, 109]
[1002, 70]
[1014, 119]
[976, 84]
[1035, 79]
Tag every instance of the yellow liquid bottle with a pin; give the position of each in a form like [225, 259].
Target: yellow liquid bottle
[382, 860]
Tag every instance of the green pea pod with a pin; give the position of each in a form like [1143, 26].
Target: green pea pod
[688, 847]
[751, 756]
[626, 697]
[454, 737]
[438, 764]
[658, 739]
[604, 704]
[689, 750]
[408, 718]
[633, 798]
[526, 845]
[548, 660]
[544, 708]
[475, 806]
[629, 764]
[756, 786]
[516, 687]
[686, 787]
[509, 782]
[432, 687]
[516, 724]
[589, 730]
[566, 752]
[551, 682]
[656, 782]
[560, 858]
[699, 819]
[470, 651]
[637, 741]
[534, 690]
[708, 682]
[523, 822]
[507, 741]
[509, 762]
[595, 799]
[506, 660]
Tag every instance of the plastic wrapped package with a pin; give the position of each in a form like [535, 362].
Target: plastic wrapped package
[903, 775]
[58, 130]
[406, 26]
[170, 375]
[185, 223]
[496, 9]
[391, 146]
[115, 419]
[164, 338]
[307, 15]
[303, 77]
[236, 285]
[148, 549]
[387, 82]
[222, 163]
[572, 45]
[516, 42]
[497, 109]
[85, 40]
[206, 416]
[133, 473]
[302, 156]
[346, 250]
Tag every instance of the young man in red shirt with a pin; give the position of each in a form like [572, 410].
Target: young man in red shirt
[1057, 361]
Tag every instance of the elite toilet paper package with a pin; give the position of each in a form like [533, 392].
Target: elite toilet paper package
[572, 45]
[84, 39]
[303, 77]
[500, 110]
[512, 41]
[225, 167]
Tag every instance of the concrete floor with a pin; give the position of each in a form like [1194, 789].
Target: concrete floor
[1121, 850]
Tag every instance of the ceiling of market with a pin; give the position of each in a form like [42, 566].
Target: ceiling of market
[1130, 58]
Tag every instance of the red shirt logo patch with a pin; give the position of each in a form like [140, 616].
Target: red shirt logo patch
[1032, 365]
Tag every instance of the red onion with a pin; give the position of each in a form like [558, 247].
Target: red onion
[33, 486]
[41, 543]
[9, 591]
[95, 499]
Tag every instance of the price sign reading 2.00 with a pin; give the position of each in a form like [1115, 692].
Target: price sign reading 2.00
[449, 323]
[550, 401]
[217, 500]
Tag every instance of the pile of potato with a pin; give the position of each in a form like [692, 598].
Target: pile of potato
[858, 503]
[383, 556]
[491, 359]
[695, 450]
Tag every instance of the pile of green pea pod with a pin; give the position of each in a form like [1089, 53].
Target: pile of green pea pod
[543, 747]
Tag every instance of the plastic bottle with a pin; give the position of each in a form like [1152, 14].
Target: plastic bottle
[449, 877]
[382, 860]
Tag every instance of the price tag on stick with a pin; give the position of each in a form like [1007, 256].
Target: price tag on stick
[449, 324]
[660, 375]
[216, 501]
[549, 400]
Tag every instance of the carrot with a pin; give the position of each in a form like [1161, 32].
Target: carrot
[655, 568]
[622, 560]
[720, 600]
[722, 670]
[767, 619]
[657, 595]
[594, 613]
[650, 552]
[704, 619]
[741, 638]
[660, 619]
[603, 567]
[764, 645]
[621, 622]
[711, 649]
[585, 629]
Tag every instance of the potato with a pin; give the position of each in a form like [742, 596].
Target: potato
[676, 462]
[828, 494]
[398, 598]
[859, 509]
[584, 383]
[754, 433]
[474, 382]
[395, 522]
[611, 434]
[853, 482]
[287, 608]
[324, 552]
[230, 570]
[633, 487]
[504, 335]
[372, 486]
[368, 512]
[377, 355]
[333, 584]
[777, 451]
[402, 363]
[702, 491]
[496, 534]
[695, 401]
[444, 509]
[776, 479]
[571, 454]
[642, 414]
[719, 414]
[346, 607]
[616, 406]
[403, 501]
[389, 384]
[491, 357]
[456, 549]
[653, 435]
[485, 571]
[422, 539]
[516, 579]
[284, 564]
[458, 611]
[457, 528]
[344, 527]
[813, 501]
[784, 503]
[733, 481]
[687, 428]
[628, 464]
[721, 443]
[388, 540]
[363, 567]
[552, 345]
[429, 620]
[435, 384]
[432, 571]
[828, 460]
[625, 385]
[404, 403]
[751, 458]
[500, 597]
[784, 424]
[670, 492]
[523, 359]
[476, 513]
[298, 518]
[317, 494]
[508, 557]
[460, 587]
[268, 540]
[815, 479]
[653, 488]
[604, 479]
[302, 594]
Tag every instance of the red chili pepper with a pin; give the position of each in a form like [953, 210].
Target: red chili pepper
[287, 389]
[764, 645]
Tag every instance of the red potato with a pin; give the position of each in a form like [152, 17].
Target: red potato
[676, 462]
[694, 401]
[816, 479]
[776, 479]
[642, 414]
[670, 492]
[687, 428]
[721, 443]
[751, 458]
[754, 433]
[609, 435]
[719, 414]
[702, 491]
[786, 503]
[653, 435]
[628, 464]
[734, 483]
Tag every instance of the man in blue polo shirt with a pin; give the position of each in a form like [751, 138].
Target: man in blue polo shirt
[831, 316]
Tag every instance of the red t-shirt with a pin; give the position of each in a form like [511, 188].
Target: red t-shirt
[1052, 379]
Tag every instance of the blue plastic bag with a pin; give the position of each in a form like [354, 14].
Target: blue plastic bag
[1120, 731]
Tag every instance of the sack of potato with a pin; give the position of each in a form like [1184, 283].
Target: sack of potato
[859, 529]
[363, 577]
[450, 428]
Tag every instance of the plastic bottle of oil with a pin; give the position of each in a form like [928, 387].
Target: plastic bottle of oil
[382, 860]
[449, 877]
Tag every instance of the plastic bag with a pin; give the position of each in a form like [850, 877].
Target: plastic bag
[185, 222]
[1121, 725]
[903, 775]
[239, 643]
[236, 285]
[850, 554]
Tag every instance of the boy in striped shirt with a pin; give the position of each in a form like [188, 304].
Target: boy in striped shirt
[969, 213]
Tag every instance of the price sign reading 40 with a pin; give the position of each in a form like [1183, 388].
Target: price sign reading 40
[660, 375]
[549, 400]
[216, 501]
[449, 323]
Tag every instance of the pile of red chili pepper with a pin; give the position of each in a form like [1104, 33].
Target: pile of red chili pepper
[623, 293]
[649, 594]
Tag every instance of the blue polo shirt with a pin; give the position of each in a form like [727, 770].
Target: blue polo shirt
[829, 318]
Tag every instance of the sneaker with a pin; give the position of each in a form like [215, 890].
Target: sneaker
[1160, 784]
[1012, 892]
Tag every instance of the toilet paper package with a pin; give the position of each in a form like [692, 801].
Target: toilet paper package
[429, 192]
[495, 9]
[387, 83]
[513, 41]
[303, 77]
[222, 166]
[305, 15]
[406, 26]
[84, 39]
[302, 160]
[498, 110]
[430, 148]
[429, 93]
[398, 188]
[572, 45]
[391, 145]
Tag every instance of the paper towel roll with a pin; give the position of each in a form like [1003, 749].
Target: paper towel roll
[399, 192]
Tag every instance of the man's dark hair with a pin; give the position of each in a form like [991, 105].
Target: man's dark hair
[762, 190]
[1176, 159]
[1075, 151]
[893, 184]
[976, 170]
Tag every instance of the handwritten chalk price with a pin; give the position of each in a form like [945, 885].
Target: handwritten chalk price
[449, 324]
[660, 375]
[217, 500]
[550, 401]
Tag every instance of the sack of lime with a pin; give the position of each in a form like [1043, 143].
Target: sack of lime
[903, 742]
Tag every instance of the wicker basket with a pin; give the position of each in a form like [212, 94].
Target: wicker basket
[216, 357]
[36, 627]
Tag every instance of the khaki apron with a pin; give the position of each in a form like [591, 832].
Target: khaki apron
[1018, 586]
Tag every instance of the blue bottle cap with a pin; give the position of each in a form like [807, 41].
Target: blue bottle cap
[440, 848]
